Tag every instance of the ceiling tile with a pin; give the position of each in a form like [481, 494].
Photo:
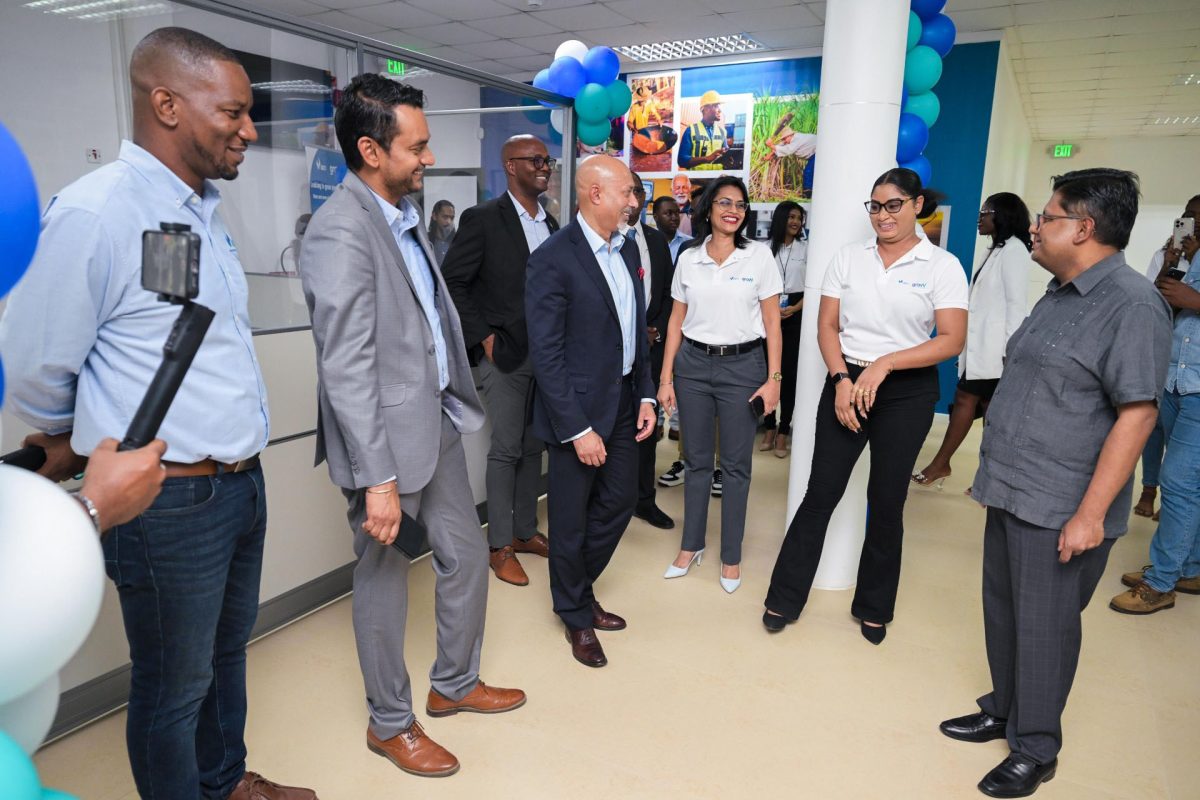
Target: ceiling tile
[1055, 31]
[685, 28]
[463, 10]
[297, 8]
[343, 21]
[458, 56]
[985, 19]
[1155, 22]
[514, 26]
[768, 19]
[543, 44]
[1068, 47]
[453, 33]
[615, 37]
[790, 39]
[1064, 62]
[395, 15]
[745, 5]
[405, 38]
[644, 11]
[502, 49]
[1065, 11]
[523, 5]
[527, 63]
[338, 5]
[492, 67]
[581, 18]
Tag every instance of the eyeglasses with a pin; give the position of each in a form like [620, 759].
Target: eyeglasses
[891, 206]
[725, 204]
[1040, 218]
[539, 162]
[983, 212]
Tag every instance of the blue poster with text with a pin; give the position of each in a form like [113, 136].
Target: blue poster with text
[326, 168]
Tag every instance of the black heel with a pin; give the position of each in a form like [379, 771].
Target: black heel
[773, 622]
[873, 634]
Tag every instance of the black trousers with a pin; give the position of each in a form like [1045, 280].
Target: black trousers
[789, 366]
[647, 455]
[1031, 623]
[588, 509]
[895, 430]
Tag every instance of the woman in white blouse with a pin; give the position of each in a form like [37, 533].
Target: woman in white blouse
[790, 246]
[880, 302]
[998, 305]
[726, 290]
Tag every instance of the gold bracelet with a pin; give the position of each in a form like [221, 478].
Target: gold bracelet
[383, 491]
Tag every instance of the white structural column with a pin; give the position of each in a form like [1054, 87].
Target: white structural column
[862, 71]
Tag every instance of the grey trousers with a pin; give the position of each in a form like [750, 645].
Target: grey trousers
[460, 563]
[514, 462]
[1031, 621]
[708, 389]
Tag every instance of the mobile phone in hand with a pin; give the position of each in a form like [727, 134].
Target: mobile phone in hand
[758, 405]
[1176, 274]
[1184, 227]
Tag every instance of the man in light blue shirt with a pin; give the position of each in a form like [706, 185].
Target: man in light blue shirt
[82, 340]
[667, 215]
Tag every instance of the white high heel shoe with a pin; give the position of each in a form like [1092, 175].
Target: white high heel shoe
[678, 572]
[730, 585]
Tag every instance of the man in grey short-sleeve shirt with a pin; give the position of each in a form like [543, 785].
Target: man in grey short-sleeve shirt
[1073, 409]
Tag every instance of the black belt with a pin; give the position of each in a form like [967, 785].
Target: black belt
[725, 349]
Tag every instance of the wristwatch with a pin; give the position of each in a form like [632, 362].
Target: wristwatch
[838, 377]
[777, 376]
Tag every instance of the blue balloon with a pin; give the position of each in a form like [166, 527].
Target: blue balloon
[903, 97]
[18, 778]
[928, 9]
[1, 385]
[914, 30]
[939, 33]
[567, 76]
[922, 167]
[602, 65]
[912, 138]
[922, 69]
[20, 219]
[542, 81]
[55, 794]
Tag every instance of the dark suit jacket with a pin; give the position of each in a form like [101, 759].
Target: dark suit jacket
[485, 273]
[658, 312]
[575, 338]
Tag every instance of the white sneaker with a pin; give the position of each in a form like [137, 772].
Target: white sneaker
[673, 476]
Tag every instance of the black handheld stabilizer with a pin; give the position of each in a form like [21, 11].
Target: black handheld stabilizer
[30, 458]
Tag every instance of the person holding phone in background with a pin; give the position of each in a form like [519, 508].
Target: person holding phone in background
[789, 243]
[726, 290]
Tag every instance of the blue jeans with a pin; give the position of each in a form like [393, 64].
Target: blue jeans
[1152, 454]
[187, 571]
[1175, 548]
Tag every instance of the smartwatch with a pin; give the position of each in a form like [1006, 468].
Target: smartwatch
[838, 377]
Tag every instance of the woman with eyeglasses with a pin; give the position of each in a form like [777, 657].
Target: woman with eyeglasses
[880, 302]
[789, 243]
[998, 305]
[726, 290]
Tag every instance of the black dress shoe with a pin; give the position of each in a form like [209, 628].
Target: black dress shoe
[655, 516]
[775, 623]
[1017, 776]
[979, 727]
[586, 647]
[606, 620]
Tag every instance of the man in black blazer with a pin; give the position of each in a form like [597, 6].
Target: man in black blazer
[594, 400]
[656, 270]
[485, 274]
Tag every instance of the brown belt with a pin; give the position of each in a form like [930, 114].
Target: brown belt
[207, 467]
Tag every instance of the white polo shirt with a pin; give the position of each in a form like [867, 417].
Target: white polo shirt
[723, 299]
[886, 310]
[793, 265]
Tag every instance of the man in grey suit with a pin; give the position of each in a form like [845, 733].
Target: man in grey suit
[395, 396]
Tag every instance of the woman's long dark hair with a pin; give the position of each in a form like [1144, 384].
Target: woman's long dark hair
[1010, 220]
[702, 227]
[779, 223]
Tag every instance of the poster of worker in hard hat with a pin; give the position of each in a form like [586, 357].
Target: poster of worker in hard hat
[650, 120]
[713, 132]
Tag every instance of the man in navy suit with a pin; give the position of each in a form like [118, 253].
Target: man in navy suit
[586, 315]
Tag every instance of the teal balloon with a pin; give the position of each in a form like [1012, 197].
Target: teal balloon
[55, 794]
[18, 778]
[594, 133]
[591, 104]
[914, 30]
[922, 69]
[925, 105]
[619, 98]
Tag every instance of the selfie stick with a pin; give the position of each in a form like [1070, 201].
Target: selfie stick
[31, 458]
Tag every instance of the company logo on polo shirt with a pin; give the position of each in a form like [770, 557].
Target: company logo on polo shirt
[913, 284]
[735, 279]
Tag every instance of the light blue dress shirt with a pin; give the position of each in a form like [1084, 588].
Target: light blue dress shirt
[1183, 373]
[616, 274]
[403, 222]
[81, 339]
[679, 241]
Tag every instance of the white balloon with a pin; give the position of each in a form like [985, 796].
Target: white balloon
[51, 580]
[556, 119]
[27, 719]
[572, 48]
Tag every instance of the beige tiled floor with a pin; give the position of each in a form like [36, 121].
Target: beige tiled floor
[699, 702]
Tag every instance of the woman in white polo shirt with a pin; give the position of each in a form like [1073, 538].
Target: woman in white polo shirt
[880, 302]
[998, 306]
[790, 245]
[726, 290]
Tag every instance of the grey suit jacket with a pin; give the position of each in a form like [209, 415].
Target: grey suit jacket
[379, 410]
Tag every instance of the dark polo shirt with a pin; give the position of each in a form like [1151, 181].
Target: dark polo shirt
[1088, 346]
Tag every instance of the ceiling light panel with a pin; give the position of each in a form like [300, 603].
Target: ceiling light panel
[690, 48]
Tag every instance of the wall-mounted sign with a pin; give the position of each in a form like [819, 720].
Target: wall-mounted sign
[395, 67]
[1064, 150]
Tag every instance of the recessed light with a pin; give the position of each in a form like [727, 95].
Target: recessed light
[1189, 79]
[1175, 119]
[690, 48]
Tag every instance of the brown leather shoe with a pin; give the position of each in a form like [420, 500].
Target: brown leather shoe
[507, 568]
[1142, 599]
[483, 699]
[1185, 585]
[414, 752]
[586, 647]
[253, 786]
[604, 620]
[537, 544]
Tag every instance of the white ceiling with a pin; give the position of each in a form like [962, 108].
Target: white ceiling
[1085, 68]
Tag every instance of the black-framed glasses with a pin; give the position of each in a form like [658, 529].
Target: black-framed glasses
[539, 162]
[1040, 218]
[725, 204]
[892, 206]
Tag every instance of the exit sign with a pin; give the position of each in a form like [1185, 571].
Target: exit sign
[1063, 150]
[395, 67]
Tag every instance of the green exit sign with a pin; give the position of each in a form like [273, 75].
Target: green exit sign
[1063, 150]
[395, 67]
